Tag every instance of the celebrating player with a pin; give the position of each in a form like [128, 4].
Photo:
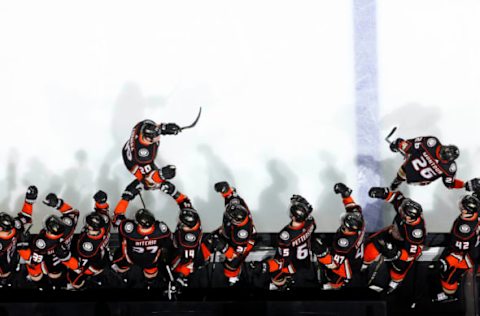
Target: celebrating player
[91, 249]
[236, 237]
[14, 235]
[186, 242]
[457, 257]
[49, 252]
[401, 243]
[344, 258]
[426, 160]
[294, 245]
[143, 239]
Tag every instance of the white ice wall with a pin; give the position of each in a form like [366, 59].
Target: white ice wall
[274, 78]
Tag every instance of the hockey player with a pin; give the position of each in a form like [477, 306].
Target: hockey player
[457, 257]
[143, 239]
[140, 151]
[345, 256]
[236, 237]
[294, 245]
[186, 242]
[50, 250]
[426, 160]
[91, 248]
[14, 236]
[401, 243]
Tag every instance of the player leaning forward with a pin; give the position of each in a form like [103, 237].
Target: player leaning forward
[140, 151]
[426, 160]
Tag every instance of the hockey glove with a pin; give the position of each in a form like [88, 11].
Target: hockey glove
[53, 201]
[168, 188]
[473, 185]
[342, 189]
[319, 248]
[24, 240]
[169, 129]
[100, 197]
[378, 192]
[167, 172]
[388, 250]
[31, 195]
[394, 145]
[222, 187]
[132, 190]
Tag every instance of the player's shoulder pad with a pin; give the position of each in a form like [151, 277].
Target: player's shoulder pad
[87, 246]
[67, 220]
[452, 168]
[162, 227]
[40, 243]
[464, 229]
[431, 141]
[284, 237]
[127, 226]
[18, 223]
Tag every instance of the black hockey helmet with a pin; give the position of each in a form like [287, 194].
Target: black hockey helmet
[54, 225]
[144, 218]
[6, 222]
[236, 212]
[449, 152]
[470, 204]
[189, 217]
[149, 130]
[300, 209]
[411, 208]
[352, 221]
[94, 221]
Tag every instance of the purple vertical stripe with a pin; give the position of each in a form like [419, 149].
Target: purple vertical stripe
[366, 108]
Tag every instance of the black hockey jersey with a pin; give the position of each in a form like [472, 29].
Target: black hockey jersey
[423, 164]
[138, 156]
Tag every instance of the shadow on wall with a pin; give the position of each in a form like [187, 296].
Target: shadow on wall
[211, 208]
[275, 199]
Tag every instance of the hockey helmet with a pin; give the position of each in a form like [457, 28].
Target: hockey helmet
[149, 130]
[6, 222]
[54, 225]
[144, 218]
[470, 204]
[352, 221]
[449, 152]
[189, 217]
[300, 209]
[236, 212]
[94, 221]
[411, 209]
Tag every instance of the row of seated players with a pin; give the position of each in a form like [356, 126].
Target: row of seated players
[51, 257]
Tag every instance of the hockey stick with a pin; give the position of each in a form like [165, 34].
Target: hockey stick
[375, 271]
[194, 122]
[141, 199]
[387, 139]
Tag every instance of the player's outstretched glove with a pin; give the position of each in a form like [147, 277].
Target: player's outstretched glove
[169, 129]
[473, 185]
[301, 200]
[342, 189]
[167, 172]
[221, 187]
[52, 200]
[100, 197]
[394, 145]
[132, 190]
[31, 195]
[378, 192]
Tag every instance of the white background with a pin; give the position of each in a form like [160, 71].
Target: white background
[275, 80]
